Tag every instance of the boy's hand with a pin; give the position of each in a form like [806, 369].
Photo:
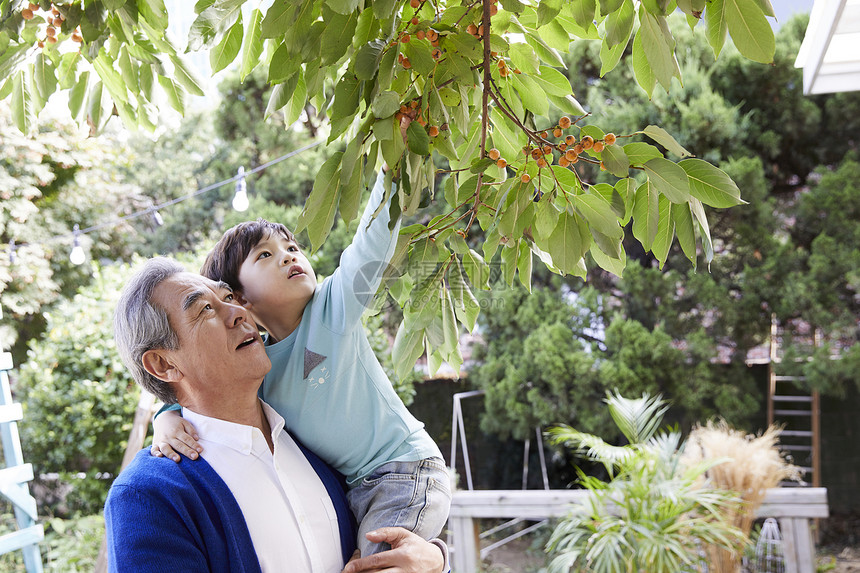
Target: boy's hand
[172, 434]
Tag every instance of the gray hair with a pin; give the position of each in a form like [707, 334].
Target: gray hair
[140, 325]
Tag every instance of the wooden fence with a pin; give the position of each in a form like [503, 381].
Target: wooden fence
[794, 508]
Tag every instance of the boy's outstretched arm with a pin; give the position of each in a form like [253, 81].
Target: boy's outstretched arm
[174, 435]
[362, 264]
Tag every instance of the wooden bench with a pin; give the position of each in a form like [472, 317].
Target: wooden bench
[792, 507]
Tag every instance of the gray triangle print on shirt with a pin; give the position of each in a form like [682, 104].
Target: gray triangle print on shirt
[312, 360]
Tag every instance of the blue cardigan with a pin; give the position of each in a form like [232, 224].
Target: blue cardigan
[164, 516]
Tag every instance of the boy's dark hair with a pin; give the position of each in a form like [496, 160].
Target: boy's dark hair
[225, 260]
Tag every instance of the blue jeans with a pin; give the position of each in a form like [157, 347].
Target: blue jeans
[413, 495]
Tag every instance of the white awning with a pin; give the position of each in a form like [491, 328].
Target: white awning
[830, 53]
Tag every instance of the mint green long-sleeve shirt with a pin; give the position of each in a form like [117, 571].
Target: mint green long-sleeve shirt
[325, 379]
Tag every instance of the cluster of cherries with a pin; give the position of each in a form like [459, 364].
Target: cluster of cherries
[55, 21]
[569, 148]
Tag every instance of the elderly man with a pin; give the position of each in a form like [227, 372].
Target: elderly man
[257, 500]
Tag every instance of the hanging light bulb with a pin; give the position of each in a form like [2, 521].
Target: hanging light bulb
[240, 199]
[77, 256]
[157, 219]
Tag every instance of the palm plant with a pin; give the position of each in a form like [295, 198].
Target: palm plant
[655, 514]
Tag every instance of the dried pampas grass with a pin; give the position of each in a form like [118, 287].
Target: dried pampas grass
[754, 464]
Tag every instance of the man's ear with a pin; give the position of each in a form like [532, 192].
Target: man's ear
[157, 363]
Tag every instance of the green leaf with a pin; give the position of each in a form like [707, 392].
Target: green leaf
[665, 231]
[345, 106]
[544, 51]
[711, 185]
[555, 36]
[615, 160]
[147, 115]
[22, 103]
[420, 54]
[684, 230]
[476, 269]
[547, 10]
[417, 139]
[344, 7]
[523, 57]
[465, 305]
[641, 68]
[385, 104]
[598, 212]
[128, 71]
[366, 28]
[508, 139]
[717, 28]
[553, 82]
[96, 104]
[109, 76]
[44, 76]
[619, 24]
[645, 215]
[392, 149]
[546, 217]
[662, 137]
[78, 94]
[11, 58]
[639, 153]
[625, 190]
[750, 30]
[296, 104]
[614, 265]
[175, 94]
[282, 65]
[228, 48]
[659, 49]
[567, 104]
[451, 333]
[337, 36]
[583, 12]
[669, 179]
[383, 9]
[565, 244]
[6, 88]
[609, 57]
[215, 20]
[281, 94]
[533, 97]
[318, 215]
[350, 181]
[154, 12]
[704, 229]
[408, 347]
[524, 265]
[509, 262]
[252, 44]
[367, 59]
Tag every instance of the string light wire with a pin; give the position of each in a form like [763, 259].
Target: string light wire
[155, 208]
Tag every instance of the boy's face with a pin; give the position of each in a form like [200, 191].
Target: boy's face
[277, 278]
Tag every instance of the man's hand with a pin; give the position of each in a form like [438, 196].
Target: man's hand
[172, 434]
[408, 554]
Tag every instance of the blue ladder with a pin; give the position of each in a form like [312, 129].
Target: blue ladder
[14, 478]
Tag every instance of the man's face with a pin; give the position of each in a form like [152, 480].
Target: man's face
[220, 350]
[276, 278]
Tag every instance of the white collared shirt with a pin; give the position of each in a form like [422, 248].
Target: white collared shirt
[288, 511]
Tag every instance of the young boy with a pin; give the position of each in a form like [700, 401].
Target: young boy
[325, 379]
